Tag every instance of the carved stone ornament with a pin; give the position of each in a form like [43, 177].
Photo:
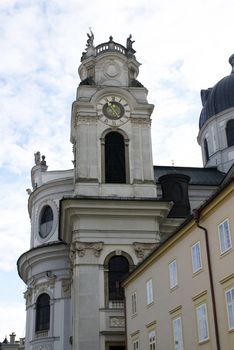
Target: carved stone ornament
[66, 287]
[141, 249]
[117, 321]
[47, 346]
[81, 247]
[28, 295]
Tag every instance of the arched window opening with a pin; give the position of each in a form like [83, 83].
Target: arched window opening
[118, 268]
[230, 133]
[46, 221]
[43, 313]
[115, 168]
[206, 149]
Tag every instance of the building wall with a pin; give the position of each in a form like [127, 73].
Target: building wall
[193, 288]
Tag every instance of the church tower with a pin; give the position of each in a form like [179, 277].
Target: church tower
[92, 224]
[216, 134]
[110, 126]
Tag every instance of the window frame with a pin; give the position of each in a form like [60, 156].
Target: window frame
[204, 320]
[195, 266]
[136, 342]
[224, 236]
[152, 339]
[134, 303]
[173, 274]
[43, 312]
[181, 345]
[149, 292]
[230, 327]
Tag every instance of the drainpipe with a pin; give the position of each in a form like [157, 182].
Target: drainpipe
[196, 218]
[125, 322]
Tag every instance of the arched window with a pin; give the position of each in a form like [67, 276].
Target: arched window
[115, 168]
[118, 267]
[230, 132]
[46, 221]
[206, 150]
[43, 313]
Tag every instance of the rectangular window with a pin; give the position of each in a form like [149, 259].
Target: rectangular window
[136, 344]
[196, 257]
[230, 307]
[149, 290]
[224, 236]
[152, 340]
[173, 274]
[177, 332]
[134, 304]
[202, 323]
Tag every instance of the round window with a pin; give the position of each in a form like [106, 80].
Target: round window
[46, 221]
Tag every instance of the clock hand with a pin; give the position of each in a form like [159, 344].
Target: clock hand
[113, 109]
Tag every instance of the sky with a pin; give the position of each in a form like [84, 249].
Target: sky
[183, 47]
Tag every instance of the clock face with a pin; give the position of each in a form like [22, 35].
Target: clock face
[113, 110]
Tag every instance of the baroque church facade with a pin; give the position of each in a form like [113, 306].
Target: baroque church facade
[91, 225]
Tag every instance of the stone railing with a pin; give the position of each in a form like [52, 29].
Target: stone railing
[110, 46]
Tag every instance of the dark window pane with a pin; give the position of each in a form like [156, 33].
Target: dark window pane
[206, 150]
[43, 312]
[114, 158]
[230, 132]
[46, 221]
[118, 268]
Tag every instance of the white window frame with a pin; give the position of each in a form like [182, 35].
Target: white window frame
[136, 344]
[152, 340]
[134, 303]
[225, 242]
[178, 333]
[196, 257]
[230, 307]
[149, 291]
[173, 275]
[202, 323]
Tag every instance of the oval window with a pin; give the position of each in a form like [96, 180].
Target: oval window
[46, 221]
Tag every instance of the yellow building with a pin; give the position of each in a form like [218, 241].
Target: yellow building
[182, 295]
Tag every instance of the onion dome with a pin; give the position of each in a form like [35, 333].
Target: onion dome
[218, 98]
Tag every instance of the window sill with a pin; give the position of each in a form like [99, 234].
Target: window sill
[197, 272]
[41, 334]
[204, 341]
[226, 252]
[231, 330]
[150, 304]
[172, 289]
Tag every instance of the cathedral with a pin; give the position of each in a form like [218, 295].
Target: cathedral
[92, 224]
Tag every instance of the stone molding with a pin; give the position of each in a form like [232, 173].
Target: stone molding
[84, 119]
[141, 249]
[140, 121]
[66, 288]
[47, 346]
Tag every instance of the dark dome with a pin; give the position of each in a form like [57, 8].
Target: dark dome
[218, 98]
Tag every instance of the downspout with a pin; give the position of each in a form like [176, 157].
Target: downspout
[125, 322]
[196, 218]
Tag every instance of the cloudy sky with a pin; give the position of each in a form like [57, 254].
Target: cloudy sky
[183, 45]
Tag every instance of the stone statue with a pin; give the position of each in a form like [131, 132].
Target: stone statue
[129, 42]
[37, 157]
[90, 39]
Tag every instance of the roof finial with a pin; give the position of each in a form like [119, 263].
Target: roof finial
[231, 61]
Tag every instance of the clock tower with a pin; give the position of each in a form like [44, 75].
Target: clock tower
[110, 127]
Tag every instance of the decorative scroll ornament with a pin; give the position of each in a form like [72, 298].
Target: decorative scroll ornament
[81, 247]
[117, 321]
[142, 249]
